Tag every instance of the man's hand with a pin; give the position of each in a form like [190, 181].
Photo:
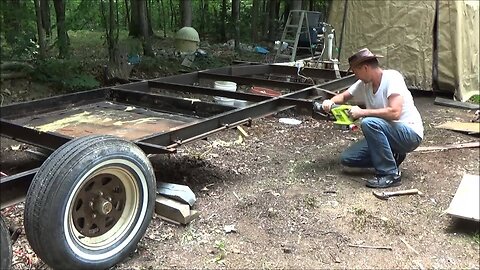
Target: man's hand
[356, 112]
[327, 105]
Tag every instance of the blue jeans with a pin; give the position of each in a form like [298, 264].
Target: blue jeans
[382, 139]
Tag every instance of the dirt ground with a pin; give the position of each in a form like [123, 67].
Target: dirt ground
[293, 206]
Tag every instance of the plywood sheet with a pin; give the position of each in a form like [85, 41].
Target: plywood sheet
[466, 202]
[471, 128]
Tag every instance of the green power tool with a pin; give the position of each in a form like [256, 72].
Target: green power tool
[340, 113]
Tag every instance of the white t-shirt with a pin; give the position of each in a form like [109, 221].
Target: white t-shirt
[392, 83]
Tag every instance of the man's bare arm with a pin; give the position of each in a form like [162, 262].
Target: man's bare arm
[391, 112]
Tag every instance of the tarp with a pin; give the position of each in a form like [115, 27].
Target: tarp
[435, 45]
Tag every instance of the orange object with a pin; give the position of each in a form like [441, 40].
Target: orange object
[264, 91]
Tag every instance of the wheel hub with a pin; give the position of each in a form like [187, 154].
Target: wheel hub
[99, 205]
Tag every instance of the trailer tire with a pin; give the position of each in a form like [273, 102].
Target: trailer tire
[5, 246]
[90, 203]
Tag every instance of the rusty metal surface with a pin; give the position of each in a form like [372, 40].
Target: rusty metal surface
[105, 118]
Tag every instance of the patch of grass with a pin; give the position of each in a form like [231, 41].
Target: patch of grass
[220, 246]
[475, 99]
[364, 220]
[310, 201]
[189, 235]
[358, 211]
[476, 237]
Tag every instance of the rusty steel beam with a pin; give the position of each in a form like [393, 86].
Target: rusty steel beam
[15, 187]
[18, 110]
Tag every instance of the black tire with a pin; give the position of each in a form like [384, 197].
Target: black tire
[5, 246]
[90, 203]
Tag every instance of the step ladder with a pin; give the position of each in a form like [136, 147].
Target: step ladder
[297, 24]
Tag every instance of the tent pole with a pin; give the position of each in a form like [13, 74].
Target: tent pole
[343, 27]
[435, 86]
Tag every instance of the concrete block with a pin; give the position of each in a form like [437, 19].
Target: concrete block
[174, 211]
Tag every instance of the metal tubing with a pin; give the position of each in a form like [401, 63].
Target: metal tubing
[49, 104]
[166, 103]
[15, 187]
[47, 140]
[254, 81]
[258, 110]
[206, 91]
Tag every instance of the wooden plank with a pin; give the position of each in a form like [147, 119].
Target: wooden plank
[456, 104]
[466, 202]
[448, 146]
[470, 128]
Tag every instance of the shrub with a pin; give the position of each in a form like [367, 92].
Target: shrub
[68, 75]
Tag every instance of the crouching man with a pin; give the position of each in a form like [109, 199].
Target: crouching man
[391, 123]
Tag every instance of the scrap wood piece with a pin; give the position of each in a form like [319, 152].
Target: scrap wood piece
[470, 128]
[455, 104]
[466, 202]
[374, 247]
[448, 146]
[174, 211]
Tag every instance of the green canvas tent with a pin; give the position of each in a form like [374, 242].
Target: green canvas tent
[433, 43]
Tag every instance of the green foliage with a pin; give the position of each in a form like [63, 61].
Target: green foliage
[476, 237]
[18, 30]
[475, 99]
[65, 74]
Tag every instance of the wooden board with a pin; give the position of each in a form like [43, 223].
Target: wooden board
[466, 202]
[456, 104]
[470, 128]
[446, 147]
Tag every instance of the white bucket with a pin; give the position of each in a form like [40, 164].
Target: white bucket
[224, 101]
[240, 103]
[226, 86]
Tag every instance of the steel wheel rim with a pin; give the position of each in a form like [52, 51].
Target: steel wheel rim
[122, 220]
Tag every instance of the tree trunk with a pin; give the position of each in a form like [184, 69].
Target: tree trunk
[203, 22]
[61, 28]
[11, 19]
[223, 32]
[147, 46]
[255, 24]
[149, 18]
[45, 13]
[161, 14]
[127, 14]
[272, 22]
[295, 5]
[173, 18]
[118, 69]
[264, 13]
[236, 22]
[40, 30]
[186, 11]
[134, 27]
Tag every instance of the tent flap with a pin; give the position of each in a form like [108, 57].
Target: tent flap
[402, 31]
